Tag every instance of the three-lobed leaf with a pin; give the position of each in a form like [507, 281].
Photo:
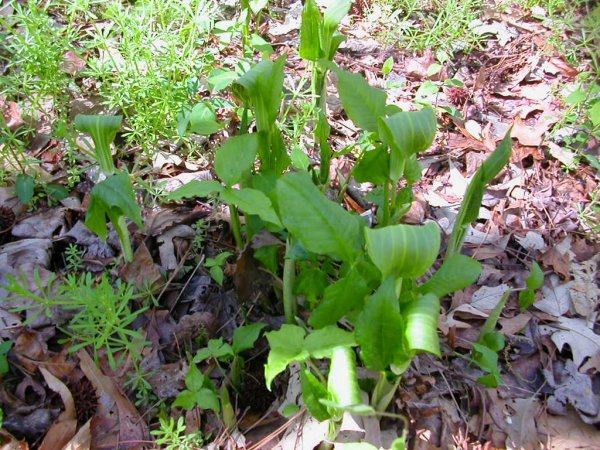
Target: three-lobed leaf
[287, 345]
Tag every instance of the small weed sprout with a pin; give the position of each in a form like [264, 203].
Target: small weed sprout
[200, 227]
[214, 266]
[74, 257]
[171, 435]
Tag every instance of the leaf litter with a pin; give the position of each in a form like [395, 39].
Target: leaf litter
[527, 216]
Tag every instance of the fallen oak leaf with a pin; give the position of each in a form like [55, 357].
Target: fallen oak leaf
[61, 432]
[582, 340]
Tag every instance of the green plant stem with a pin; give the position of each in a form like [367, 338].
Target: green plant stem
[386, 204]
[384, 393]
[236, 227]
[123, 232]
[289, 275]
[316, 371]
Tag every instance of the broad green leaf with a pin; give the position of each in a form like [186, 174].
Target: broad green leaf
[535, 280]
[322, 226]
[339, 298]
[114, 198]
[363, 104]
[257, 42]
[310, 47]
[24, 187]
[219, 349]
[236, 157]
[196, 188]
[494, 341]
[407, 133]
[312, 392]
[261, 87]
[245, 336]
[421, 317]
[403, 250]
[257, 5]
[252, 201]
[219, 79]
[57, 191]
[457, 272]
[287, 345]
[330, 39]
[388, 66]
[469, 209]
[207, 399]
[103, 130]
[203, 119]
[342, 382]
[379, 328]
[194, 380]
[321, 343]
[335, 12]
[412, 170]
[373, 166]
[311, 282]
[186, 399]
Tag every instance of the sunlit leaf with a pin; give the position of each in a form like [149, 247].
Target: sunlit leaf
[363, 103]
[203, 120]
[321, 343]
[287, 345]
[103, 130]
[379, 328]
[245, 336]
[322, 226]
[252, 201]
[469, 210]
[422, 323]
[457, 272]
[312, 392]
[309, 31]
[403, 250]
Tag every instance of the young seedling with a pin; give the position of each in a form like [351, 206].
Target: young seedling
[113, 197]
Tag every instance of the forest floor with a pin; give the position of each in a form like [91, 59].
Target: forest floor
[521, 68]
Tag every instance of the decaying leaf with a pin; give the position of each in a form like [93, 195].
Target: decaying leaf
[582, 340]
[117, 424]
[64, 428]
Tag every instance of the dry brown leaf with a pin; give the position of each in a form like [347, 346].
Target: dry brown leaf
[142, 271]
[567, 432]
[82, 440]
[582, 340]
[559, 261]
[585, 293]
[61, 432]
[117, 424]
[532, 135]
